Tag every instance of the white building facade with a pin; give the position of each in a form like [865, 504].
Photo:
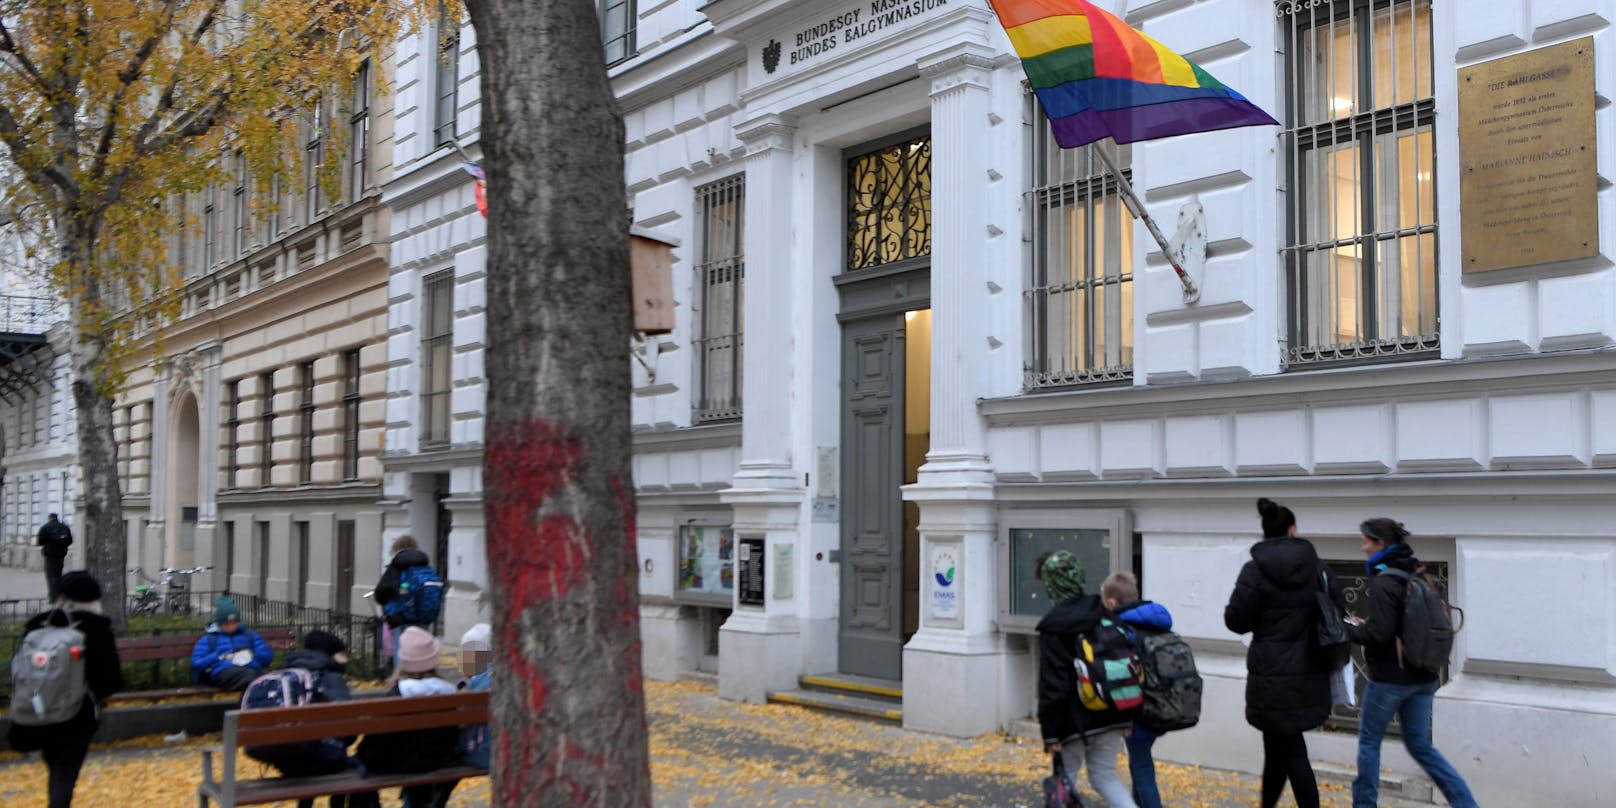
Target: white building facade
[917, 347]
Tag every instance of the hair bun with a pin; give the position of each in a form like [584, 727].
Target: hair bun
[1266, 506]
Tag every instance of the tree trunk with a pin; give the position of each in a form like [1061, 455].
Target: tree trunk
[569, 709]
[102, 530]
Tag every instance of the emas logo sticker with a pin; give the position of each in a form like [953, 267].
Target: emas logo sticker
[943, 567]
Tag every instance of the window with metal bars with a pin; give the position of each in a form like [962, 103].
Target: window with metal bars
[359, 133]
[437, 345]
[350, 414]
[616, 28]
[1080, 299]
[305, 424]
[232, 425]
[446, 82]
[266, 428]
[717, 327]
[889, 204]
[1361, 260]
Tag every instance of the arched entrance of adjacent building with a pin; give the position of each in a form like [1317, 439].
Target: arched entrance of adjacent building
[184, 483]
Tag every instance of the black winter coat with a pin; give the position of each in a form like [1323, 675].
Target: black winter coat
[103, 676]
[1383, 619]
[1287, 684]
[411, 751]
[1060, 713]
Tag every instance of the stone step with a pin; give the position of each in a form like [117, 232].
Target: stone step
[869, 687]
[860, 706]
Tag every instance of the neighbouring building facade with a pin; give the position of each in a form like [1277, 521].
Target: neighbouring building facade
[918, 347]
[38, 441]
[250, 442]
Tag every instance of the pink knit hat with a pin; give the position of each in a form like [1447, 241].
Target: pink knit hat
[418, 650]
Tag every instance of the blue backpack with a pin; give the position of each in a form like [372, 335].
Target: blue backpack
[420, 596]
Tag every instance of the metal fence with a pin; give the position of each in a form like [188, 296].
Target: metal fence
[189, 613]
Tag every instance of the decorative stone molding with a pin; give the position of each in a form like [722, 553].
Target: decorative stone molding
[957, 71]
[768, 132]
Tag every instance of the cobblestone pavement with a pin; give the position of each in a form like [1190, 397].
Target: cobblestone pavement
[708, 753]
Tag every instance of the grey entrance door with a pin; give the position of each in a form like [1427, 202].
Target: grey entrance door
[872, 505]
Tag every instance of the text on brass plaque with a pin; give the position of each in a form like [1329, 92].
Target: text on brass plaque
[1526, 150]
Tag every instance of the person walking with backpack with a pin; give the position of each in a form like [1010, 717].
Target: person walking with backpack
[65, 668]
[54, 539]
[1275, 600]
[1078, 729]
[1397, 686]
[1171, 684]
[410, 591]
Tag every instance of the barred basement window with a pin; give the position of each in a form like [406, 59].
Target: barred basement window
[720, 295]
[616, 28]
[889, 204]
[305, 425]
[350, 415]
[1081, 296]
[437, 343]
[1362, 263]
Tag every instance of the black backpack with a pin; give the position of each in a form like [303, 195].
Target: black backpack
[1172, 686]
[1426, 628]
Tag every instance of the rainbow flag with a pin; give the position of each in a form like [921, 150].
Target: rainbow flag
[1096, 77]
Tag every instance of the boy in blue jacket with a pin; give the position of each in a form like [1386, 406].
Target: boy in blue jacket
[1120, 593]
[229, 656]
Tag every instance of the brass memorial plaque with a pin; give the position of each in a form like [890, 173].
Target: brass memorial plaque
[1526, 146]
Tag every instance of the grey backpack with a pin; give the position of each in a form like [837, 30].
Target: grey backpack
[47, 676]
[1425, 632]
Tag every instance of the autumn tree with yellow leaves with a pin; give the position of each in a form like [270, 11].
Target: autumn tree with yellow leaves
[110, 110]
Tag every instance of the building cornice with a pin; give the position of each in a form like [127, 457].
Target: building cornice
[443, 460]
[354, 492]
[707, 436]
[434, 174]
[1333, 386]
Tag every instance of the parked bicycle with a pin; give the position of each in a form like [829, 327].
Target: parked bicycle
[171, 595]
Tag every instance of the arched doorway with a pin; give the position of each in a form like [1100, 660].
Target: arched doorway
[184, 489]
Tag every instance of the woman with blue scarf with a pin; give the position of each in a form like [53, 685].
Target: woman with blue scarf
[1394, 689]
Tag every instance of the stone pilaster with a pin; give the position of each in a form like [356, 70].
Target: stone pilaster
[958, 646]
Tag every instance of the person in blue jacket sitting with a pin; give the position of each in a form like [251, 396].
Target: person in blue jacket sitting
[229, 656]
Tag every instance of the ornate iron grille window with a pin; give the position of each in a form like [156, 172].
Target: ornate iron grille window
[266, 428]
[1355, 585]
[437, 343]
[305, 425]
[889, 204]
[1362, 259]
[1081, 295]
[359, 133]
[232, 425]
[350, 414]
[616, 28]
[446, 84]
[720, 297]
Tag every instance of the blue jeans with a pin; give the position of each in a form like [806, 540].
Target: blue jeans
[1142, 767]
[1411, 704]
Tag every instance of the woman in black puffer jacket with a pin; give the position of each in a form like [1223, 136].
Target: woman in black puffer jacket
[1287, 685]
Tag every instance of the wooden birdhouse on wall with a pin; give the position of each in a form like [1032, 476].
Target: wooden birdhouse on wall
[651, 259]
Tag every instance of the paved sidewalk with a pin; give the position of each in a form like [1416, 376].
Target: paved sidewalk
[708, 753]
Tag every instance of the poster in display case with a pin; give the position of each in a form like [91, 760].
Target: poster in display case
[706, 563]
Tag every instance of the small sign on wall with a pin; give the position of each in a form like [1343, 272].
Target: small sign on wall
[944, 582]
[751, 572]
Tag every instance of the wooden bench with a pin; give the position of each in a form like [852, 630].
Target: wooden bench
[340, 720]
[163, 647]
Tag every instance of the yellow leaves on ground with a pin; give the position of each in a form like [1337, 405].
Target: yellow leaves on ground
[705, 753]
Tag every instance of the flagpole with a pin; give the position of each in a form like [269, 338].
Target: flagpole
[1137, 208]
